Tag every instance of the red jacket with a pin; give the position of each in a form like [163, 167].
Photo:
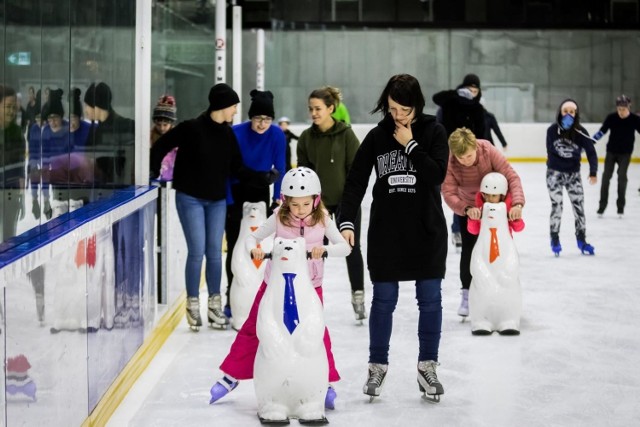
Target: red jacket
[473, 225]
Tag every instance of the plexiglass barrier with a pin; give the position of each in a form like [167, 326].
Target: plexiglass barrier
[78, 300]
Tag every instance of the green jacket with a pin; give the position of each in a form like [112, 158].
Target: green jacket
[330, 155]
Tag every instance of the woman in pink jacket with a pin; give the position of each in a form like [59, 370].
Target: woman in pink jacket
[470, 159]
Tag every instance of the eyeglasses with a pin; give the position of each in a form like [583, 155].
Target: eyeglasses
[262, 119]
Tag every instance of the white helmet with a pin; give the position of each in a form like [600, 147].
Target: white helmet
[494, 183]
[300, 182]
[284, 119]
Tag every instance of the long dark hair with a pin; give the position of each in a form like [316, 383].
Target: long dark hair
[403, 89]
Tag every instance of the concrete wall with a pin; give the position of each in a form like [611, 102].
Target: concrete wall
[525, 74]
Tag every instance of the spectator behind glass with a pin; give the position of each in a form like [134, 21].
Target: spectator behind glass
[113, 138]
[43, 150]
[12, 165]
[263, 149]
[75, 169]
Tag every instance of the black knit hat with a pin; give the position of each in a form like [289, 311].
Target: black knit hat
[261, 104]
[75, 106]
[89, 95]
[103, 96]
[222, 96]
[471, 80]
[165, 109]
[54, 105]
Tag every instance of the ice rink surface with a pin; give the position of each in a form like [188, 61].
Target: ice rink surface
[576, 362]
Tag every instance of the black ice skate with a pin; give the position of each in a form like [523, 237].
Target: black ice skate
[428, 381]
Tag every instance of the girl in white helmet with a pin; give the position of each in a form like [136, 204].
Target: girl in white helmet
[494, 189]
[300, 214]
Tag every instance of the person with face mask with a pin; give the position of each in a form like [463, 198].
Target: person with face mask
[566, 139]
[623, 125]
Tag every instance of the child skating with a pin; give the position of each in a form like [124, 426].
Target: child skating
[301, 214]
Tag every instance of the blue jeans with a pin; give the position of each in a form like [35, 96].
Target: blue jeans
[203, 226]
[385, 298]
[455, 225]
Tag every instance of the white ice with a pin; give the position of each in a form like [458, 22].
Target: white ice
[576, 362]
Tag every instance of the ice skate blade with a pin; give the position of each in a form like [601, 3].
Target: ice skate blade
[431, 398]
[282, 422]
[319, 422]
[194, 328]
[463, 318]
[218, 326]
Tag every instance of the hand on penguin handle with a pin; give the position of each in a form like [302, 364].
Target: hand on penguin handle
[348, 236]
[474, 213]
[515, 212]
[317, 253]
[259, 254]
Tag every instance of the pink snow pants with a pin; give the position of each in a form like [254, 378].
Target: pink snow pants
[239, 361]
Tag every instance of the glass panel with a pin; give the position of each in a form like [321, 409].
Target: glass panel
[74, 62]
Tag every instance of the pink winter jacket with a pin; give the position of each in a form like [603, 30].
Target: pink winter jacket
[313, 235]
[463, 182]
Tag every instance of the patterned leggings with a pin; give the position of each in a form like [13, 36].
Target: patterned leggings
[556, 181]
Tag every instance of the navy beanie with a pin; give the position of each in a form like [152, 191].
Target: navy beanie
[54, 105]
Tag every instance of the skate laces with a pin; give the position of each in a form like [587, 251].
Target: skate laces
[215, 307]
[427, 369]
[377, 373]
[193, 305]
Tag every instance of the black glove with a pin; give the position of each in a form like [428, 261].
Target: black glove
[256, 179]
[273, 175]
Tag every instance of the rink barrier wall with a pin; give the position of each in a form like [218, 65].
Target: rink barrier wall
[137, 365]
[526, 142]
[70, 370]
